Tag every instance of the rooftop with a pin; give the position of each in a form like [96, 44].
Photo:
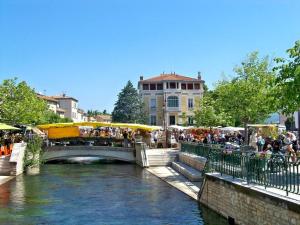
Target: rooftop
[47, 98]
[81, 111]
[60, 110]
[63, 96]
[170, 77]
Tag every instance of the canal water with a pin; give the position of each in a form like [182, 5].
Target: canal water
[98, 194]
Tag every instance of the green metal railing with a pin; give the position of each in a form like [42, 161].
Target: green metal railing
[278, 171]
[199, 149]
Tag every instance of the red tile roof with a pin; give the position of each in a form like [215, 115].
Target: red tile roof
[169, 77]
[47, 98]
[64, 97]
[60, 110]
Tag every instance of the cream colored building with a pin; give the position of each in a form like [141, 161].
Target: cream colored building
[82, 116]
[70, 105]
[171, 98]
[53, 105]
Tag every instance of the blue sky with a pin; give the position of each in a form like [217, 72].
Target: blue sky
[90, 48]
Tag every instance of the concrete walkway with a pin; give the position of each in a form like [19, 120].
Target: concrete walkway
[4, 179]
[176, 180]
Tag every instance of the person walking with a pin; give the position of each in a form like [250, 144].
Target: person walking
[125, 136]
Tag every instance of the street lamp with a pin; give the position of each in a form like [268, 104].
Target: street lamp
[165, 120]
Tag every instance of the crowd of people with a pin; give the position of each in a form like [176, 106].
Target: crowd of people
[207, 136]
[7, 139]
[127, 135]
[285, 144]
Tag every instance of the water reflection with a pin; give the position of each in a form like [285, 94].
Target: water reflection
[97, 194]
[18, 192]
[4, 195]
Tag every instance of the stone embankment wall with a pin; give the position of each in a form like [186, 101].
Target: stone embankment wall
[140, 154]
[194, 161]
[247, 205]
[17, 159]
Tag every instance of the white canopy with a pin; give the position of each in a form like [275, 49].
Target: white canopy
[232, 129]
[179, 127]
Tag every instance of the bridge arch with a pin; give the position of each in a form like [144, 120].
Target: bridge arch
[63, 152]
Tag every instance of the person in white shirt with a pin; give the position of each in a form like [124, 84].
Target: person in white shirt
[253, 140]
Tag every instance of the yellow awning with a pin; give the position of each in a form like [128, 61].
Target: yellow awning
[100, 124]
[63, 132]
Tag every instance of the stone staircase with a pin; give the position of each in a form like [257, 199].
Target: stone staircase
[190, 166]
[5, 166]
[187, 171]
[161, 157]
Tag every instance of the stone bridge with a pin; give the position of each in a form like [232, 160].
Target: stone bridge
[64, 152]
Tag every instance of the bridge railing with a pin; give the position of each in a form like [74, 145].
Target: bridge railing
[277, 171]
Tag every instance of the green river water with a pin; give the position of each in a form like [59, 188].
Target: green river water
[98, 194]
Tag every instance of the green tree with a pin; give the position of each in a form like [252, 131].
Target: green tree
[205, 89]
[96, 112]
[51, 117]
[90, 113]
[249, 97]
[20, 104]
[288, 80]
[207, 114]
[184, 119]
[129, 107]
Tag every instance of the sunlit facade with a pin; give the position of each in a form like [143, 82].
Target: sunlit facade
[170, 99]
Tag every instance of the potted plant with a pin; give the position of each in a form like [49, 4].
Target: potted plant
[33, 152]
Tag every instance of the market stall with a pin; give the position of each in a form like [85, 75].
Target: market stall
[72, 130]
[6, 139]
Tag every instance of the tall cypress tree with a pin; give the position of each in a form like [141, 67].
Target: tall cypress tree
[129, 107]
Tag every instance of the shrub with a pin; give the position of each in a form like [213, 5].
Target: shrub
[33, 152]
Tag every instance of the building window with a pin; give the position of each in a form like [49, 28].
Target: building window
[190, 120]
[160, 87]
[173, 102]
[197, 86]
[183, 86]
[153, 103]
[153, 120]
[74, 115]
[172, 120]
[191, 103]
[152, 86]
[145, 86]
[172, 85]
[190, 86]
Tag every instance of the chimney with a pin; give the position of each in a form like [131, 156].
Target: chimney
[199, 75]
[141, 77]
